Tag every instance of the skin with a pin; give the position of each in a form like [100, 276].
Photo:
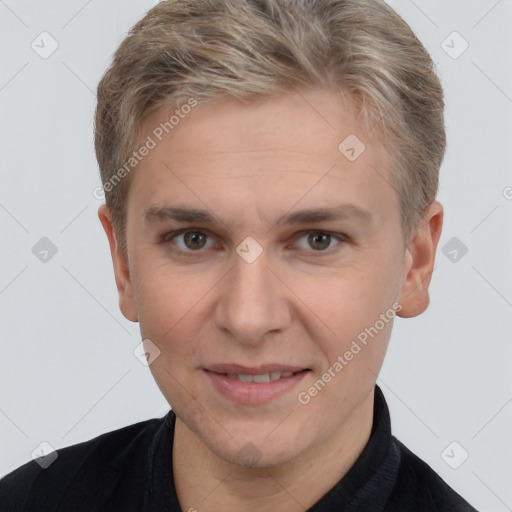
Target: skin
[296, 304]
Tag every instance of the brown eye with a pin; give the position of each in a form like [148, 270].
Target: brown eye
[319, 241]
[194, 240]
[187, 241]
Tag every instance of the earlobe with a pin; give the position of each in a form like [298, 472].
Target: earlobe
[121, 267]
[419, 263]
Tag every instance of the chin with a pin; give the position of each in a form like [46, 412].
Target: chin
[256, 452]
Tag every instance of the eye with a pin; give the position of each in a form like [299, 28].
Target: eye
[319, 241]
[194, 240]
[188, 241]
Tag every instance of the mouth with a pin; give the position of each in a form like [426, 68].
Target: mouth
[259, 378]
[254, 385]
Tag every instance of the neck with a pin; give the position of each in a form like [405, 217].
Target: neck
[204, 481]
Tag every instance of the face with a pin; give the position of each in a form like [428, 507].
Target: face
[266, 267]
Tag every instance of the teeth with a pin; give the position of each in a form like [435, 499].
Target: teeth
[263, 377]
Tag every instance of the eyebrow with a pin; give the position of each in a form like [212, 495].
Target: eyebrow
[194, 215]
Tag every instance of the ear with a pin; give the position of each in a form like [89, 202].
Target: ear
[121, 267]
[419, 262]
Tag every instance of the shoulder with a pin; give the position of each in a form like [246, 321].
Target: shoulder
[420, 488]
[83, 475]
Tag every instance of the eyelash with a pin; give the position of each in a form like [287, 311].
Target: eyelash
[167, 238]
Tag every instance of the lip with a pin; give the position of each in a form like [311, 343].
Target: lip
[253, 393]
[253, 370]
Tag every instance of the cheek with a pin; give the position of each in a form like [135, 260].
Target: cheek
[174, 313]
[164, 298]
[171, 315]
[349, 306]
[350, 298]
[154, 300]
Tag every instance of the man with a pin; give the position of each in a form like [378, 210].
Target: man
[270, 170]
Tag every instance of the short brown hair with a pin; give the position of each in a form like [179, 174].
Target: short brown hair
[207, 49]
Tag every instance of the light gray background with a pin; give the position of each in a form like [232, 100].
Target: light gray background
[67, 369]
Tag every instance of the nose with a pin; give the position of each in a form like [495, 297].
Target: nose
[252, 302]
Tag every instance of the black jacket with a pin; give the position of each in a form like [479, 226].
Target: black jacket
[130, 469]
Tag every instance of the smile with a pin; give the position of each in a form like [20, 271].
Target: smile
[262, 377]
[254, 386]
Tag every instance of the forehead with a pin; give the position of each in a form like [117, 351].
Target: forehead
[292, 120]
[307, 144]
